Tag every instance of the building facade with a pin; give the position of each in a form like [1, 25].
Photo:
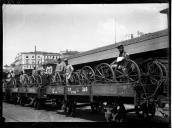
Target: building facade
[27, 60]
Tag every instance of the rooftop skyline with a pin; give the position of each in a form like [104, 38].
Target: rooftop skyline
[55, 28]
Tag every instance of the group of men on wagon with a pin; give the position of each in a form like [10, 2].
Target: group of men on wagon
[63, 68]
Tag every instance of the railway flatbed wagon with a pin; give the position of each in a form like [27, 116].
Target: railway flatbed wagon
[99, 97]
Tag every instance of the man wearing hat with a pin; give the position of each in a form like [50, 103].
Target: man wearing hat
[122, 52]
[122, 55]
[68, 71]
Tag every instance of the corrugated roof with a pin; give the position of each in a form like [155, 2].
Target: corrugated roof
[144, 37]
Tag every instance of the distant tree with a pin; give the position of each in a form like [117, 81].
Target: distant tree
[13, 65]
[140, 33]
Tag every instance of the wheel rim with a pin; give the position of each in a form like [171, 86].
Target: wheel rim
[104, 73]
[155, 72]
[164, 70]
[87, 75]
[127, 71]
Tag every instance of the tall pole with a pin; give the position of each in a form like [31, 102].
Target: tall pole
[35, 57]
[115, 30]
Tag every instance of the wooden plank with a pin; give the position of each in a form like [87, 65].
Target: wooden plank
[78, 90]
[115, 89]
[55, 90]
[144, 46]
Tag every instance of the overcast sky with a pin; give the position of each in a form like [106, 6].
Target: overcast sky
[54, 28]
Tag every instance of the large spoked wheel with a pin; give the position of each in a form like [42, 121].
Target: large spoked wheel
[164, 70]
[74, 79]
[127, 71]
[58, 78]
[87, 75]
[104, 73]
[154, 72]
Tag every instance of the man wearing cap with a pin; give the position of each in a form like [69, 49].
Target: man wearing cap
[68, 71]
[122, 52]
[122, 55]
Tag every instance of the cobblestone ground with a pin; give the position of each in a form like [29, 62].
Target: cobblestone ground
[17, 113]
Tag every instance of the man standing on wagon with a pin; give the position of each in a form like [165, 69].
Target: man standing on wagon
[68, 71]
[60, 68]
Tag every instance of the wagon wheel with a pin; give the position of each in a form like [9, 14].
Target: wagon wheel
[127, 71]
[87, 75]
[164, 70]
[104, 73]
[77, 78]
[146, 110]
[57, 78]
[82, 77]
[118, 112]
[74, 79]
[154, 72]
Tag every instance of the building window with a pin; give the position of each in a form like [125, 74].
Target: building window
[27, 61]
[32, 56]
